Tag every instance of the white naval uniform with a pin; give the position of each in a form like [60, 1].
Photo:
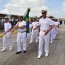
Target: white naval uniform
[44, 25]
[29, 34]
[52, 32]
[21, 35]
[7, 26]
[34, 33]
[56, 27]
[30, 29]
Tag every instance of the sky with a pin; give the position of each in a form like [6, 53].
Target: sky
[55, 8]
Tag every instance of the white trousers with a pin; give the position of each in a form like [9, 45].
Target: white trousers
[34, 35]
[24, 39]
[52, 34]
[5, 38]
[56, 30]
[43, 39]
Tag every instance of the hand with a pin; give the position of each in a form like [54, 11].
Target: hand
[12, 30]
[4, 33]
[46, 32]
[34, 28]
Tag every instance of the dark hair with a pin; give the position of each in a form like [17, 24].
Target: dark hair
[44, 11]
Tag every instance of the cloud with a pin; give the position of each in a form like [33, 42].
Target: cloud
[37, 10]
[5, 11]
[58, 12]
[52, 12]
[63, 6]
[18, 7]
[62, 10]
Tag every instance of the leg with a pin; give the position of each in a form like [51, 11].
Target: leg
[18, 42]
[51, 36]
[24, 41]
[32, 36]
[4, 43]
[37, 36]
[10, 39]
[40, 46]
[46, 38]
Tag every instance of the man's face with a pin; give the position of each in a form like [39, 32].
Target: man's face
[6, 20]
[20, 19]
[34, 19]
[44, 15]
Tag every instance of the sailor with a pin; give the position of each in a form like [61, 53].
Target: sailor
[56, 27]
[35, 30]
[6, 35]
[45, 27]
[52, 30]
[21, 26]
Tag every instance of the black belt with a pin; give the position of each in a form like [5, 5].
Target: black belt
[22, 31]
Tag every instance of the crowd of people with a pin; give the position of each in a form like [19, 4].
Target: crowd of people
[42, 31]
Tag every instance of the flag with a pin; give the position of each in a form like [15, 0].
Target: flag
[26, 18]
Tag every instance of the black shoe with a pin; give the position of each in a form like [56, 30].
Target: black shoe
[18, 52]
[24, 51]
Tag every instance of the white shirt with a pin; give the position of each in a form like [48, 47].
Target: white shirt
[21, 24]
[52, 23]
[44, 23]
[57, 23]
[35, 24]
[7, 26]
[30, 26]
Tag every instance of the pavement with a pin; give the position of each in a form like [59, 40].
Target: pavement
[56, 55]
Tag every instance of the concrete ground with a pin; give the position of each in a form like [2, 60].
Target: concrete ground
[56, 55]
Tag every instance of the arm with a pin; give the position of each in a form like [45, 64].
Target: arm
[22, 27]
[46, 32]
[36, 28]
[9, 27]
[16, 26]
[7, 31]
[32, 27]
[12, 29]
